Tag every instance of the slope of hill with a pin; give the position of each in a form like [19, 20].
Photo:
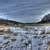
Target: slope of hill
[45, 19]
[8, 22]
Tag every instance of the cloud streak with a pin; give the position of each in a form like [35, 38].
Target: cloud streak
[23, 10]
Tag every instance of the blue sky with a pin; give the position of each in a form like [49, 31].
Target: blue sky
[24, 10]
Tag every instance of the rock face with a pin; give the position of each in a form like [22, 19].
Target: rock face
[46, 19]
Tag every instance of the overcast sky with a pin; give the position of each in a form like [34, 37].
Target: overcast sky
[24, 10]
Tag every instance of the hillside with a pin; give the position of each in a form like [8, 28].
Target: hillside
[45, 19]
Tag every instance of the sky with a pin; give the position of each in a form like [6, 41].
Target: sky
[26, 11]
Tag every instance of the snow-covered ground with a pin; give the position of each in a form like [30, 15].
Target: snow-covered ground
[22, 39]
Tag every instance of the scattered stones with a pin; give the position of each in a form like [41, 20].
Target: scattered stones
[6, 37]
[13, 40]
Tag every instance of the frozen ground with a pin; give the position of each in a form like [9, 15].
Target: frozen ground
[22, 39]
